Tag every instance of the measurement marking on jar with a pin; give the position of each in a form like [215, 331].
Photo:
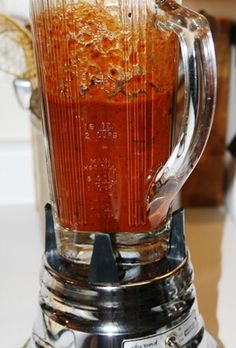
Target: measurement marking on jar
[102, 131]
[101, 175]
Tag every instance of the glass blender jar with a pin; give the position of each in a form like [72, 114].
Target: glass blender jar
[108, 74]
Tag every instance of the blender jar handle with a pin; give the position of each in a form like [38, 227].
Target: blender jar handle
[198, 55]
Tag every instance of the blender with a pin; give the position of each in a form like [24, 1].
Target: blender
[116, 271]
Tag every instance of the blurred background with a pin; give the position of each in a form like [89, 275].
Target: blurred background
[209, 195]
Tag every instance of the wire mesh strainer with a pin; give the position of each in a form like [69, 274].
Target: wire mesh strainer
[16, 51]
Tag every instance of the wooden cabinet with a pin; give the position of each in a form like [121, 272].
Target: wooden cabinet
[221, 8]
[206, 184]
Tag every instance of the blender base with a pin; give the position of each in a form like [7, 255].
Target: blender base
[82, 340]
[65, 322]
[157, 311]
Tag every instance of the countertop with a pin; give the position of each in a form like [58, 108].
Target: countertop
[211, 238]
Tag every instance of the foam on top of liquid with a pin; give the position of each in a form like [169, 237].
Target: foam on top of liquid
[83, 46]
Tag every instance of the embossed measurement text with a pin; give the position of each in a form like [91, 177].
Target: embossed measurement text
[102, 131]
[101, 174]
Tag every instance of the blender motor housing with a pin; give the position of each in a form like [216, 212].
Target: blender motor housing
[103, 310]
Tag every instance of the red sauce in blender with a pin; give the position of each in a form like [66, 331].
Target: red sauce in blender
[108, 91]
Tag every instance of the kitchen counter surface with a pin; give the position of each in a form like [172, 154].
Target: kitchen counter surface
[211, 237]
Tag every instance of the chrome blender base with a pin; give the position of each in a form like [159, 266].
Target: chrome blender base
[81, 340]
[88, 342]
[65, 322]
[157, 310]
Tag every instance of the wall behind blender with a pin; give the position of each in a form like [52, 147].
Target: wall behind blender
[16, 183]
[226, 8]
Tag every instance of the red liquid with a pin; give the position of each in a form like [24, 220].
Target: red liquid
[106, 141]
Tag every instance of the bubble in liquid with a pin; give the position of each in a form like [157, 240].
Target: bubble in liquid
[115, 72]
[84, 38]
[83, 89]
[107, 43]
[113, 87]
